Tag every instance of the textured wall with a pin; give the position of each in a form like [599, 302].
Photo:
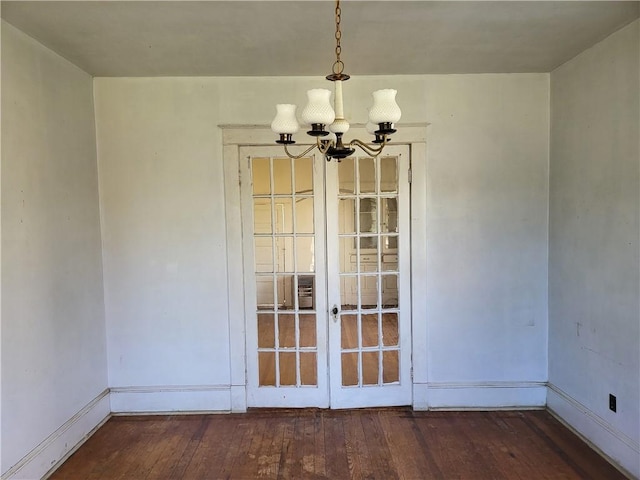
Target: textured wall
[53, 328]
[594, 265]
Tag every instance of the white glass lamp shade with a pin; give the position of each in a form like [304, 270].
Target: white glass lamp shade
[285, 120]
[385, 109]
[318, 109]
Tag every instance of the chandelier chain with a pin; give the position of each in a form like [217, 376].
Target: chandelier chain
[338, 65]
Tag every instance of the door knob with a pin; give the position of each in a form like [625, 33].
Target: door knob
[334, 312]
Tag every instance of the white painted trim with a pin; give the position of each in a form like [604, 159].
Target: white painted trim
[481, 395]
[171, 398]
[233, 137]
[238, 398]
[419, 315]
[622, 451]
[420, 394]
[249, 288]
[61, 444]
[235, 278]
[502, 384]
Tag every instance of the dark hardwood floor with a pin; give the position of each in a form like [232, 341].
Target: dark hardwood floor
[370, 443]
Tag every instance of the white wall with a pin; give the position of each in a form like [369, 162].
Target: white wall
[160, 160]
[53, 329]
[594, 284]
[486, 237]
[164, 243]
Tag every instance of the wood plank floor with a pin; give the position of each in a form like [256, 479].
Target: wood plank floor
[361, 444]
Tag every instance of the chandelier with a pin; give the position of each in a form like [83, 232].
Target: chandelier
[328, 124]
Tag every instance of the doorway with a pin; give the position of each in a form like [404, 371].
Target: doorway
[327, 279]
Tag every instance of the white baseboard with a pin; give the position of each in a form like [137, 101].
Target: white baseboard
[620, 449]
[171, 398]
[238, 398]
[420, 396]
[59, 446]
[479, 395]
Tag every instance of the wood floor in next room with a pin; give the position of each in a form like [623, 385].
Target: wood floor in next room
[369, 443]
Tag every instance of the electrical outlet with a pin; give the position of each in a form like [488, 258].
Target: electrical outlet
[612, 402]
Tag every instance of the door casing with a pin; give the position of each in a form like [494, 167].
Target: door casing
[236, 136]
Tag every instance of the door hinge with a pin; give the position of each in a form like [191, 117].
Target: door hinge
[409, 175]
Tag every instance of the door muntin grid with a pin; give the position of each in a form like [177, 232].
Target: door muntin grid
[382, 333]
[368, 241]
[285, 266]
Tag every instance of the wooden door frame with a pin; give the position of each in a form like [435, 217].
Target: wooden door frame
[236, 136]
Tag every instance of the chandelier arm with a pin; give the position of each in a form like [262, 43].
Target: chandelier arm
[324, 146]
[296, 157]
[373, 151]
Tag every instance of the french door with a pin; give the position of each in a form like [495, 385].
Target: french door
[327, 279]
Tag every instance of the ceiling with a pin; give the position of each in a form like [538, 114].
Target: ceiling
[265, 38]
